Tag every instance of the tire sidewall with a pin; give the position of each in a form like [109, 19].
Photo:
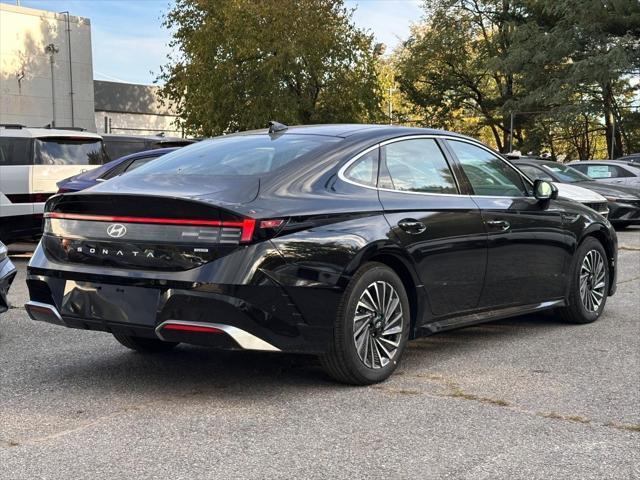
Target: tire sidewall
[376, 272]
[575, 301]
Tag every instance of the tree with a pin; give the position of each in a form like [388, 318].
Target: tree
[239, 63]
[450, 64]
[579, 56]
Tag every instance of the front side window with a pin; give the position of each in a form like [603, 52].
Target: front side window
[417, 165]
[66, 151]
[488, 174]
[365, 170]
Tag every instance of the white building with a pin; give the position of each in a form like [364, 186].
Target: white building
[46, 72]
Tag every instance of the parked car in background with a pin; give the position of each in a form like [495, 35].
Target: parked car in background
[109, 170]
[32, 160]
[610, 171]
[623, 202]
[119, 146]
[634, 158]
[7, 274]
[343, 241]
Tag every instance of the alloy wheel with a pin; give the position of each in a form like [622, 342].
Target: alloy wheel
[592, 280]
[378, 324]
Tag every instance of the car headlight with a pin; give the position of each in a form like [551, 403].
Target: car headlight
[3, 251]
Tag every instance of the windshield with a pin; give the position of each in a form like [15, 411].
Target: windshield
[69, 151]
[566, 174]
[236, 155]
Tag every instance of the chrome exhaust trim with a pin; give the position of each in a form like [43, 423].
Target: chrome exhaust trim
[246, 340]
[43, 312]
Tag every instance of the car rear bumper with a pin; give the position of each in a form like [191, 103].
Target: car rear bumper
[215, 306]
[7, 275]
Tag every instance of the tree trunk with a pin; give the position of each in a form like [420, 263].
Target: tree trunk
[614, 138]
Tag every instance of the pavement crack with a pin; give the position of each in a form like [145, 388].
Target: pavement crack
[453, 390]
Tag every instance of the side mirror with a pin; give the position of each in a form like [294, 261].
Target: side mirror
[544, 190]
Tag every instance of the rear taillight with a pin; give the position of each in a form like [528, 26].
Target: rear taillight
[199, 230]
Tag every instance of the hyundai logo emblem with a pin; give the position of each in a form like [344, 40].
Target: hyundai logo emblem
[116, 230]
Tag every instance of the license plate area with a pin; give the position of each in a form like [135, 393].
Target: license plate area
[110, 303]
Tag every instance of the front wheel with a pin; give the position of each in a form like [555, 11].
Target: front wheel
[589, 284]
[371, 329]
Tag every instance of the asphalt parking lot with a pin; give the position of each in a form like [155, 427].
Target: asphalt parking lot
[523, 398]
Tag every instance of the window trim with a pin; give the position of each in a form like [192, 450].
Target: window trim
[452, 162]
[341, 172]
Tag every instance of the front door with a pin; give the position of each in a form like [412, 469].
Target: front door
[441, 229]
[529, 250]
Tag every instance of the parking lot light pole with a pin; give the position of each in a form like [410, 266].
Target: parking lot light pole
[51, 49]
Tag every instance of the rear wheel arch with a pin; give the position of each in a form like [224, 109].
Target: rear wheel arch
[409, 281]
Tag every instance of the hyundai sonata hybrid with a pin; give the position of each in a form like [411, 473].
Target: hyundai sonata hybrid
[343, 241]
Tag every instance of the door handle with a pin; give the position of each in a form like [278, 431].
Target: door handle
[499, 224]
[412, 226]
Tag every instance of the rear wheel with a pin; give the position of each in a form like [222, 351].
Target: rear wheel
[589, 284]
[371, 328]
[144, 345]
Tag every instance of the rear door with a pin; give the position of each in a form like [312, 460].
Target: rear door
[529, 249]
[441, 229]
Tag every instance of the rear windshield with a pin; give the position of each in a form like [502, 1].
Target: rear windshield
[66, 151]
[236, 155]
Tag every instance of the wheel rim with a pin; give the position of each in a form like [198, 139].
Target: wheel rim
[592, 280]
[378, 324]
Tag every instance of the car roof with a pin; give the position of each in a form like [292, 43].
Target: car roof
[155, 152]
[605, 162]
[17, 131]
[355, 129]
[112, 137]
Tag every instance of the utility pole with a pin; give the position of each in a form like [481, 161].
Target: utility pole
[51, 49]
[613, 136]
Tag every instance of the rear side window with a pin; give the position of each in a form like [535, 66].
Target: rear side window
[15, 151]
[120, 148]
[237, 155]
[66, 151]
[488, 174]
[417, 165]
[365, 170]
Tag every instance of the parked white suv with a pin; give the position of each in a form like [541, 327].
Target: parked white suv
[32, 161]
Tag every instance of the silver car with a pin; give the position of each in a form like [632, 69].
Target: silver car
[609, 171]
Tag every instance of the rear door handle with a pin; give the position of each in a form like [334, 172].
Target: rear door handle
[499, 224]
[412, 226]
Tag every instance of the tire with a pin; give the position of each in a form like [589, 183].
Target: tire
[144, 345]
[578, 309]
[377, 360]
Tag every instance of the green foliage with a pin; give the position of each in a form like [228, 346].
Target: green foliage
[239, 63]
[565, 66]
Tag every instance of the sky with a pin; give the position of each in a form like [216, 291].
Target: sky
[129, 43]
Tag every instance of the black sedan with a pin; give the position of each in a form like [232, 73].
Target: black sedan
[623, 201]
[7, 274]
[343, 241]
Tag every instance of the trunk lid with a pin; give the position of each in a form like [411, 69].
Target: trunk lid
[141, 231]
